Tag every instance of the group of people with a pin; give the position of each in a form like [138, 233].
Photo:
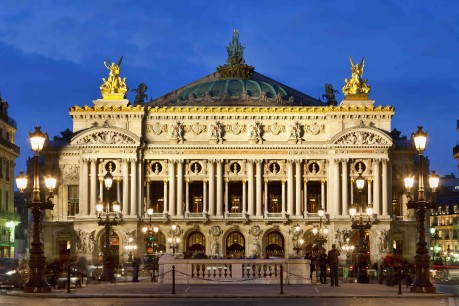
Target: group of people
[322, 260]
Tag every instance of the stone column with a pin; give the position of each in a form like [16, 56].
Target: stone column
[226, 196]
[147, 182]
[125, 173]
[180, 188]
[344, 186]
[187, 196]
[166, 199]
[172, 194]
[266, 198]
[305, 196]
[83, 188]
[219, 188]
[370, 192]
[93, 192]
[244, 196]
[335, 189]
[204, 196]
[376, 187]
[290, 182]
[298, 188]
[250, 191]
[133, 188]
[118, 190]
[101, 190]
[140, 188]
[322, 194]
[385, 188]
[211, 169]
[283, 197]
[259, 181]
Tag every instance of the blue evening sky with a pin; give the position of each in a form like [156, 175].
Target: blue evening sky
[52, 54]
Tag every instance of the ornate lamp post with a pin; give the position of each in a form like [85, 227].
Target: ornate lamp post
[37, 280]
[422, 281]
[104, 219]
[129, 247]
[174, 241]
[298, 242]
[321, 233]
[361, 226]
[9, 226]
[150, 233]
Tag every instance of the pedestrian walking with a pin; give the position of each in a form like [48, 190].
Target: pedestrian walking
[333, 262]
[389, 265]
[136, 268]
[322, 262]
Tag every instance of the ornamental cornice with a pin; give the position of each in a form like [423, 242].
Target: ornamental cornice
[107, 108]
[260, 109]
[105, 135]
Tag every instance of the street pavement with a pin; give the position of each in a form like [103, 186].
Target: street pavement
[147, 289]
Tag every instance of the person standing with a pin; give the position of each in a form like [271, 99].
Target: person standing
[333, 262]
[322, 262]
[136, 268]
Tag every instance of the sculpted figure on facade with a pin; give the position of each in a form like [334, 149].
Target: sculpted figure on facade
[106, 137]
[176, 132]
[361, 138]
[356, 85]
[114, 86]
[140, 94]
[216, 132]
[330, 94]
[255, 133]
[71, 173]
[295, 132]
[85, 241]
[382, 244]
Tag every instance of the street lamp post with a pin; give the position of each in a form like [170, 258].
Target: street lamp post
[297, 241]
[37, 263]
[104, 220]
[174, 241]
[361, 226]
[347, 249]
[321, 233]
[150, 233]
[129, 247]
[422, 281]
[9, 225]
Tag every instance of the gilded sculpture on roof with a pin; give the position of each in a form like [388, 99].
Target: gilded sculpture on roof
[356, 86]
[114, 87]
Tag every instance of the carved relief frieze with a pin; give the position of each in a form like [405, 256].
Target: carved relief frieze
[235, 128]
[314, 128]
[195, 128]
[71, 173]
[362, 138]
[156, 128]
[106, 137]
[274, 128]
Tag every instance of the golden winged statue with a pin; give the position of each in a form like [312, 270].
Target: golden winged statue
[356, 86]
[114, 87]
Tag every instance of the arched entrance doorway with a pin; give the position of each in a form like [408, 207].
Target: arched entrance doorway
[354, 240]
[196, 243]
[235, 245]
[274, 245]
[114, 246]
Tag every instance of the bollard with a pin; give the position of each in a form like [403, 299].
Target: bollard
[282, 279]
[399, 279]
[173, 279]
[68, 277]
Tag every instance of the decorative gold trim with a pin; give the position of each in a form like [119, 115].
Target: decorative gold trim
[259, 109]
[107, 108]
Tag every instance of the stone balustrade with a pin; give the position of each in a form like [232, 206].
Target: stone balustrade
[254, 271]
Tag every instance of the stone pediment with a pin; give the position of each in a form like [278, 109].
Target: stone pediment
[362, 136]
[106, 135]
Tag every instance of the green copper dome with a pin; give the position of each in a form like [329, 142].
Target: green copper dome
[234, 88]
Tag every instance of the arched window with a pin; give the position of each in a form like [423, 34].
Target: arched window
[235, 245]
[274, 244]
[196, 243]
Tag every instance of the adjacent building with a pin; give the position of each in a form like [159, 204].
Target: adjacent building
[8, 154]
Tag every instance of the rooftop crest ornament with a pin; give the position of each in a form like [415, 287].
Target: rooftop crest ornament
[114, 88]
[235, 66]
[356, 87]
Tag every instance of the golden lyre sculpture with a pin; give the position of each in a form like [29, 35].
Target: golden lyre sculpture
[114, 88]
[356, 86]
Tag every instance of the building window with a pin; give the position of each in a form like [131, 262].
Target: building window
[73, 200]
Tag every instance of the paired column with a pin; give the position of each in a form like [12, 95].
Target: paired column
[165, 201]
[376, 187]
[211, 169]
[93, 188]
[133, 206]
[298, 188]
[344, 188]
[219, 188]
[172, 193]
[180, 188]
[125, 175]
[259, 182]
[290, 194]
[385, 188]
[244, 196]
[250, 193]
[83, 188]
[204, 196]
